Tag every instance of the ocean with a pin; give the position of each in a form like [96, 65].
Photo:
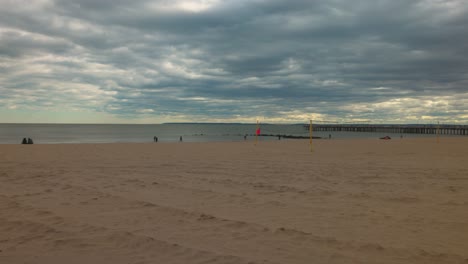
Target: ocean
[118, 133]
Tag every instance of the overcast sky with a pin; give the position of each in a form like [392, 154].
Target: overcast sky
[142, 61]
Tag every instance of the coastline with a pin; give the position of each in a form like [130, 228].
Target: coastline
[349, 201]
[72, 133]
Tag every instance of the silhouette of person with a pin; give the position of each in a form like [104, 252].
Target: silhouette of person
[245, 137]
[180, 139]
[25, 141]
[30, 141]
[329, 136]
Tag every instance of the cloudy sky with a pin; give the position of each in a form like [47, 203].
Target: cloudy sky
[280, 61]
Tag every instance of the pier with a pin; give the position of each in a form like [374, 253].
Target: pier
[401, 129]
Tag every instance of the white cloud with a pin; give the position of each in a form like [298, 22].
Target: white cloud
[145, 111]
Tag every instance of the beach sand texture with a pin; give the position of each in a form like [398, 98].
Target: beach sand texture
[350, 201]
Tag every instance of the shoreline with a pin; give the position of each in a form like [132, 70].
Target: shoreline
[252, 139]
[41, 134]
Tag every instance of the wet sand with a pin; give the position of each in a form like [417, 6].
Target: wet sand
[350, 201]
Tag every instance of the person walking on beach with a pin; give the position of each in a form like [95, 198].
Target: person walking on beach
[245, 137]
[155, 139]
[180, 139]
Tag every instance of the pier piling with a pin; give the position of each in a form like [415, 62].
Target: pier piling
[401, 129]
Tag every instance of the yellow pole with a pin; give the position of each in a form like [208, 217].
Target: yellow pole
[438, 131]
[310, 135]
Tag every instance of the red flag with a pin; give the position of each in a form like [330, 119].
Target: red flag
[258, 131]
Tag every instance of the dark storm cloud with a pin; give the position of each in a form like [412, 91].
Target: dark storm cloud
[234, 60]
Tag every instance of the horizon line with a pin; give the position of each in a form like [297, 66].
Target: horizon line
[233, 123]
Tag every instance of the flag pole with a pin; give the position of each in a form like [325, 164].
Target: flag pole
[438, 131]
[310, 136]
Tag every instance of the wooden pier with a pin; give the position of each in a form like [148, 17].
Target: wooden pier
[400, 129]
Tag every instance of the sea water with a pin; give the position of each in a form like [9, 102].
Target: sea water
[115, 133]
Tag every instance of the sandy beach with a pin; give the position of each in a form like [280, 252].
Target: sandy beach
[350, 201]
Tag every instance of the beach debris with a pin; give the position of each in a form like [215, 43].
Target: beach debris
[206, 217]
[386, 138]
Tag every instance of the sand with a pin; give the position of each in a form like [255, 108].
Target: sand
[350, 201]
